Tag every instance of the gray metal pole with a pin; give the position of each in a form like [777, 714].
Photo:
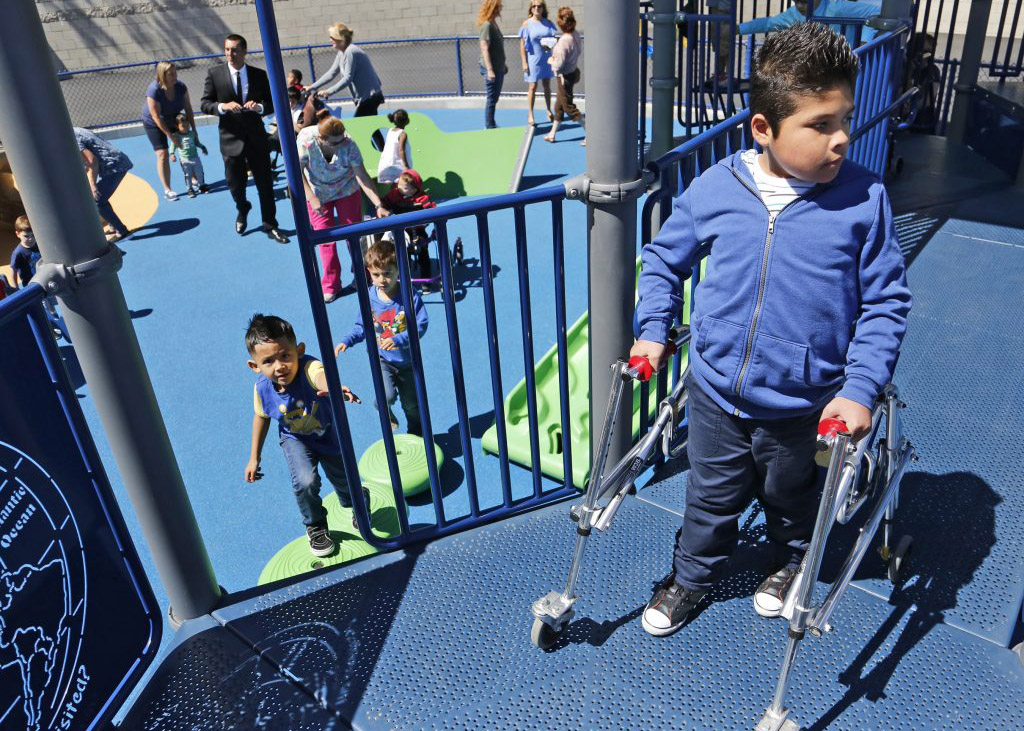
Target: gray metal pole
[36, 130]
[663, 78]
[611, 160]
[970, 67]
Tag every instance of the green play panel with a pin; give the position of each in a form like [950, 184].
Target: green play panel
[411, 456]
[549, 417]
[452, 164]
[295, 559]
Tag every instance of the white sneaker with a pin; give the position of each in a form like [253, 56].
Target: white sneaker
[771, 595]
[170, 195]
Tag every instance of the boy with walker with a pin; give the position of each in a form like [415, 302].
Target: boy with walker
[799, 318]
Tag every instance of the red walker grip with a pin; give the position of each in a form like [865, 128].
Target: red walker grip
[829, 427]
[642, 366]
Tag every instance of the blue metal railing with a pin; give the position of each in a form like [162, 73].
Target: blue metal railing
[674, 170]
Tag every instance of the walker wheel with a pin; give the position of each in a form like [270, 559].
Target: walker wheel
[899, 558]
[542, 634]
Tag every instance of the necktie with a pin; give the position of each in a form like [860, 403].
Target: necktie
[238, 86]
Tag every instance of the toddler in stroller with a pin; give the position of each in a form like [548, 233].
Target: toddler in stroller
[407, 195]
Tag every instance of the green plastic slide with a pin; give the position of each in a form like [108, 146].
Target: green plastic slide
[452, 164]
[549, 418]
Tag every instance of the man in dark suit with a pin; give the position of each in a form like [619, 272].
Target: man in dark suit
[240, 95]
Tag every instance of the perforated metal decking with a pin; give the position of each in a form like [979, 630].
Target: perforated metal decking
[440, 639]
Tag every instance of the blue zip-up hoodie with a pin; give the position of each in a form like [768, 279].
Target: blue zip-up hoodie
[791, 310]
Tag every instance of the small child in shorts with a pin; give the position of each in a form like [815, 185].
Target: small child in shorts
[187, 150]
[391, 327]
[799, 318]
[292, 389]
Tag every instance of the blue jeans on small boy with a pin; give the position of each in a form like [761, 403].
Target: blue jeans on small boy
[400, 384]
[493, 90]
[731, 461]
[302, 464]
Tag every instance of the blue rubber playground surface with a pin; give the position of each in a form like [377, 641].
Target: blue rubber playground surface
[437, 635]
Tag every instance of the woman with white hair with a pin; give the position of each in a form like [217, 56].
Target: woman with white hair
[352, 69]
[166, 98]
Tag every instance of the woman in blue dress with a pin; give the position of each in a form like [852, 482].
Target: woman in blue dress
[536, 39]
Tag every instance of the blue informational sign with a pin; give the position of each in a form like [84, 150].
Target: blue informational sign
[78, 621]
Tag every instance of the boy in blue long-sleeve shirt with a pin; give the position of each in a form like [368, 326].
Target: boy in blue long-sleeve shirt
[800, 316]
[391, 326]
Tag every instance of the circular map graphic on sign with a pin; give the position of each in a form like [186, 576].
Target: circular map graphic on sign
[42, 599]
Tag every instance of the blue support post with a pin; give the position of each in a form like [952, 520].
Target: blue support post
[458, 66]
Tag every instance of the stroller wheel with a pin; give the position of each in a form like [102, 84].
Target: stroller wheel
[542, 634]
[899, 559]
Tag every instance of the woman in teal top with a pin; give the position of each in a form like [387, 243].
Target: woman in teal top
[536, 39]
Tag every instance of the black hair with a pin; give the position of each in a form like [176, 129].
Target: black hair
[399, 118]
[806, 59]
[297, 74]
[240, 39]
[294, 92]
[268, 328]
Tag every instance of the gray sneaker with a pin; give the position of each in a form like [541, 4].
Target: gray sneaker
[771, 595]
[670, 607]
[320, 541]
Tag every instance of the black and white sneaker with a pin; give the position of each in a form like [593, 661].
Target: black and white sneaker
[320, 541]
[366, 499]
[771, 595]
[670, 607]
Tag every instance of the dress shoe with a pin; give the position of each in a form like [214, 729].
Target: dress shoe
[240, 222]
[276, 235]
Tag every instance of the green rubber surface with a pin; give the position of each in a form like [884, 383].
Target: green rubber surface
[295, 558]
[549, 418]
[452, 164]
[412, 464]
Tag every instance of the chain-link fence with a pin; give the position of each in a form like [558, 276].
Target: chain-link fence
[115, 95]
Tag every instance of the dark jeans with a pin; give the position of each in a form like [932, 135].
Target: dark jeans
[732, 460]
[106, 185]
[302, 464]
[493, 89]
[399, 384]
[368, 108]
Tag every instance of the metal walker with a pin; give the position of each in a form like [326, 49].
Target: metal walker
[858, 472]
[605, 493]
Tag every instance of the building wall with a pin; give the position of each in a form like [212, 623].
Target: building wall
[84, 33]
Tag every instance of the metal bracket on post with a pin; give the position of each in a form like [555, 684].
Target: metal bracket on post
[59, 279]
[582, 188]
